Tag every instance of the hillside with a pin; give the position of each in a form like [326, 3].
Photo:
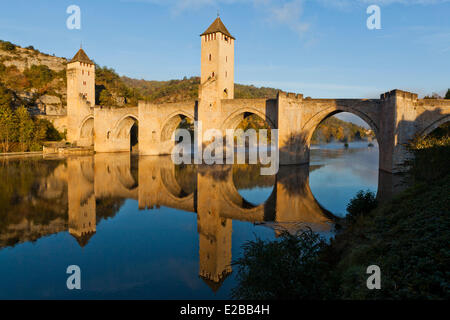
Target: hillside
[38, 81]
[35, 80]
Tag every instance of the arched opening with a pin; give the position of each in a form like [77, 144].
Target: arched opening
[87, 133]
[126, 135]
[438, 130]
[134, 133]
[253, 131]
[430, 149]
[343, 159]
[168, 139]
[252, 121]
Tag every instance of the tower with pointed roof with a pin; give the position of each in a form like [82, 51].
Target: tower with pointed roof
[80, 93]
[217, 61]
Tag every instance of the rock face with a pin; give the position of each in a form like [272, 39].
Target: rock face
[51, 105]
[24, 58]
[37, 101]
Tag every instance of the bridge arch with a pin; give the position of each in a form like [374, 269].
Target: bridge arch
[311, 125]
[123, 125]
[122, 133]
[86, 132]
[173, 121]
[436, 124]
[235, 118]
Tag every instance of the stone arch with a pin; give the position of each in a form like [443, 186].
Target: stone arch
[233, 120]
[86, 133]
[172, 122]
[123, 126]
[430, 128]
[311, 125]
[168, 128]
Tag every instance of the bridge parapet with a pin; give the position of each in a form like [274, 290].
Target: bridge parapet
[291, 95]
[399, 93]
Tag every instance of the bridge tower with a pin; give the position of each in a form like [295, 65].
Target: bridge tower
[217, 76]
[80, 99]
[217, 62]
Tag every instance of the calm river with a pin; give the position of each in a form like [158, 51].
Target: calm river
[143, 228]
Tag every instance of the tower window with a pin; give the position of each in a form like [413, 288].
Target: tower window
[213, 74]
[82, 72]
[89, 73]
[209, 57]
[226, 74]
[84, 83]
[226, 58]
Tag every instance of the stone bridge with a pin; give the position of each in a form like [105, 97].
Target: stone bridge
[396, 118]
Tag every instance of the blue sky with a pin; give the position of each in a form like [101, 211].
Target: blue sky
[321, 48]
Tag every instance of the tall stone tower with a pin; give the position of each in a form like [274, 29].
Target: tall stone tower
[217, 62]
[80, 97]
[217, 77]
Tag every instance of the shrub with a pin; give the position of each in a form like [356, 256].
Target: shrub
[8, 46]
[288, 268]
[361, 204]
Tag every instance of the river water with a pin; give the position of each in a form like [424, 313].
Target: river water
[140, 227]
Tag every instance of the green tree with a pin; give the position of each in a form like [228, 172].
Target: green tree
[447, 95]
[106, 98]
[39, 135]
[25, 128]
[39, 75]
[7, 127]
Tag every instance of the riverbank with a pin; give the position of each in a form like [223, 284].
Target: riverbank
[407, 237]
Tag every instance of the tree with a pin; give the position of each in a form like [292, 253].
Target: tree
[25, 128]
[39, 135]
[447, 95]
[7, 127]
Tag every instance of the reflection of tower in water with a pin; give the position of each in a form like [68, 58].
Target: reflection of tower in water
[82, 215]
[214, 235]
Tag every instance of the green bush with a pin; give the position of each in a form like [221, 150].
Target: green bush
[361, 204]
[288, 268]
[7, 46]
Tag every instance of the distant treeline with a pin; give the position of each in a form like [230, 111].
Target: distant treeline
[334, 129]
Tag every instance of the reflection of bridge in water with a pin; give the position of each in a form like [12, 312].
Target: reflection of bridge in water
[77, 193]
[209, 191]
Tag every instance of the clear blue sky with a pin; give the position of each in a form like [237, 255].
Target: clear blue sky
[321, 48]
